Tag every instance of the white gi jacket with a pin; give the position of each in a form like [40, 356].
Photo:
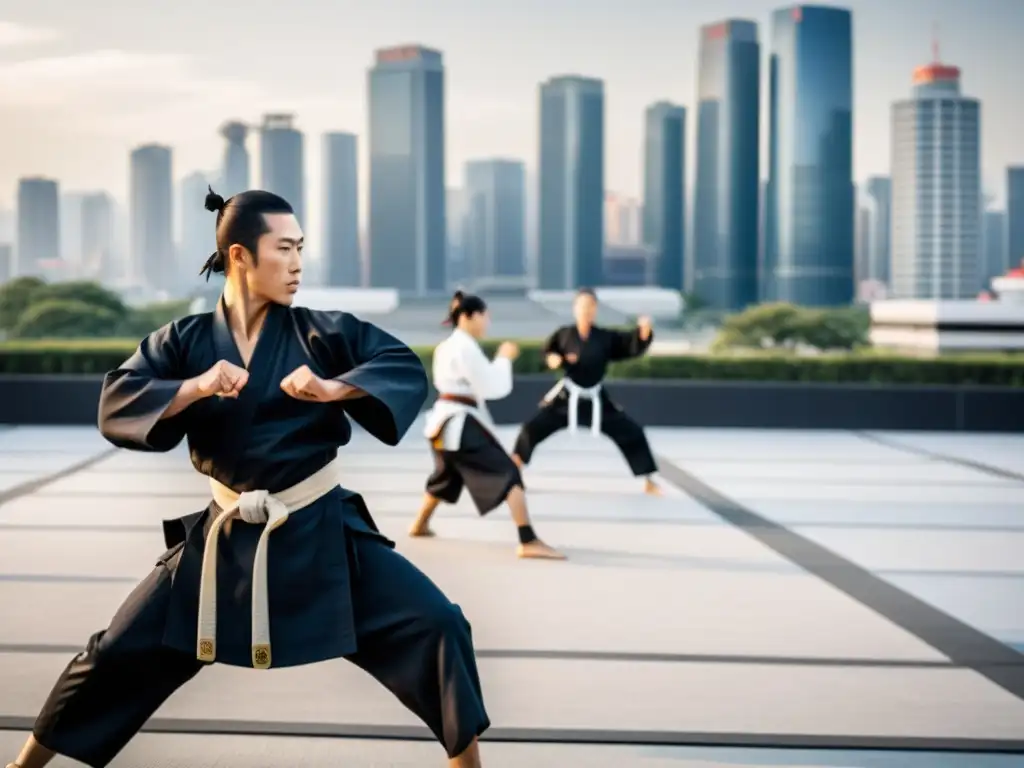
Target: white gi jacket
[460, 367]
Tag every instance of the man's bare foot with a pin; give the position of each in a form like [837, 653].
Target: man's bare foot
[421, 531]
[651, 488]
[538, 550]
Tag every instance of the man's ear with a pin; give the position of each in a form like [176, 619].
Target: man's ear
[239, 256]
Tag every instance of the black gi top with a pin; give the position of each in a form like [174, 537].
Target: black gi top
[266, 440]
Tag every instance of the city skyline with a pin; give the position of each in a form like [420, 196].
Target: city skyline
[491, 103]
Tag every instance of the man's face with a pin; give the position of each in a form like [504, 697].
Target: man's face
[584, 308]
[278, 269]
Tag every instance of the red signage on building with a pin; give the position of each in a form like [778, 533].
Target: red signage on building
[716, 32]
[402, 53]
[798, 14]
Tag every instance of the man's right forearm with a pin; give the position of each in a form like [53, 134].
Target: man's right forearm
[187, 394]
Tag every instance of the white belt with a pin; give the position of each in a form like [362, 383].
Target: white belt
[593, 394]
[254, 507]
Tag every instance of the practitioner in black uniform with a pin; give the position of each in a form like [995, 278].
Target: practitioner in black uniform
[265, 392]
[583, 351]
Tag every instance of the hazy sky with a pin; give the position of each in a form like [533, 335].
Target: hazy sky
[82, 81]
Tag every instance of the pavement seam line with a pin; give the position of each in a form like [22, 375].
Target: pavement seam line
[31, 486]
[961, 643]
[978, 466]
[603, 737]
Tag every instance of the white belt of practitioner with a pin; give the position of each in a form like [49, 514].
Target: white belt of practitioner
[255, 507]
[576, 392]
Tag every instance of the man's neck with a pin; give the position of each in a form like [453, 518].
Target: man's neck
[584, 329]
[245, 312]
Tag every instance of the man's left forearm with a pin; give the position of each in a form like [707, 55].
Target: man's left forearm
[344, 391]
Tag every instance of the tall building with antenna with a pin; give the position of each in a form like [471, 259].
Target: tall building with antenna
[936, 188]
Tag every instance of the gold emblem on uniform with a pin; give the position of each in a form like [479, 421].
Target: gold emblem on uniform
[261, 656]
[206, 650]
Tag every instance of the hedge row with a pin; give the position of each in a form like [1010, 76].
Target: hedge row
[99, 356]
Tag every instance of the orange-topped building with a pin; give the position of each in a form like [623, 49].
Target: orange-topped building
[936, 73]
[936, 189]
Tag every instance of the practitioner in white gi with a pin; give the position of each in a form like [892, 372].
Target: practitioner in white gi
[460, 429]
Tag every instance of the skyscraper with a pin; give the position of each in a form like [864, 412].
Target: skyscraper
[664, 212]
[38, 225]
[198, 229]
[994, 261]
[571, 247]
[1014, 215]
[6, 262]
[936, 189]
[235, 171]
[623, 220]
[862, 239]
[282, 162]
[809, 224]
[151, 208]
[879, 196]
[725, 212]
[496, 218]
[456, 266]
[408, 236]
[342, 264]
[97, 237]
[71, 234]
[8, 225]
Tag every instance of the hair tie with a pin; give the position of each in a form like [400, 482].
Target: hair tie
[213, 264]
[453, 306]
[214, 203]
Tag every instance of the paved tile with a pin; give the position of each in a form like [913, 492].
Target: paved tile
[665, 618]
[998, 450]
[183, 751]
[569, 694]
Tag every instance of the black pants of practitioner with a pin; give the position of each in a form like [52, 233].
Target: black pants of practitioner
[627, 435]
[411, 639]
[481, 466]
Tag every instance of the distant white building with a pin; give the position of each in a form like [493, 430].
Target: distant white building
[936, 189]
[955, 325]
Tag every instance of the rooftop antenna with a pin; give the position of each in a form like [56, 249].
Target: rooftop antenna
[935, 42]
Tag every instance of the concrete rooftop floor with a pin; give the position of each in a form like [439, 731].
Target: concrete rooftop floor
[844, 595]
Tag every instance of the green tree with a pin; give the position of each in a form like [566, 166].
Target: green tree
[834, 328]
[787, 326]
[15, 297]
[86, 292]
[144, 320]
[760, 327]
[57, 319]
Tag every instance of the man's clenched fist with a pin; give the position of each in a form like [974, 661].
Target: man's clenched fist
[224, 379]
[303, 384]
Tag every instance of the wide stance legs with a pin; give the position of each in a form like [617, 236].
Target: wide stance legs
[482, 468]
[627, 435]
[411, 639]
[529, 547]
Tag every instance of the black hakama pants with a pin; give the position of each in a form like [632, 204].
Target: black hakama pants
[411, 638]
[481, 466]
[553, 416]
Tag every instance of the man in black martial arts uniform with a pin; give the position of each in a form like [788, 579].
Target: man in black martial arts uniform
[583, 351]
[263, 392]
